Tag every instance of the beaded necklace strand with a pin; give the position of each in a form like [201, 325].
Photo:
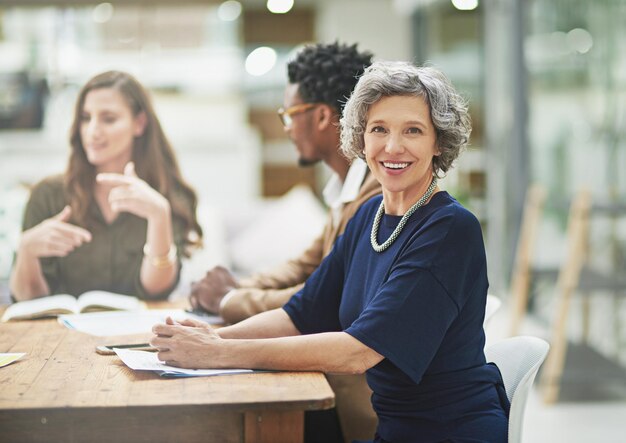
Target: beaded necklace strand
[405, 218]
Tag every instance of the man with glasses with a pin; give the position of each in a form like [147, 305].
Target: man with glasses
[321, 78]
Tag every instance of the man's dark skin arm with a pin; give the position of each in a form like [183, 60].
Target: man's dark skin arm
[207, 293]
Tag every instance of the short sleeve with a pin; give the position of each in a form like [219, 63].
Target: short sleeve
[315, 308]
[46, 200]
[407, 320]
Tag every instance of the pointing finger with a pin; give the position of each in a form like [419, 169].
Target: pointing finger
[115, 179]
[76, 232]
[64, 215]
[129, 169]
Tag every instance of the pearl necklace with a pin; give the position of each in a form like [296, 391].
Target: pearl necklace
[405, 218]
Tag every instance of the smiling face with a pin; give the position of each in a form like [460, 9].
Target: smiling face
[400, 143]
[108, 129]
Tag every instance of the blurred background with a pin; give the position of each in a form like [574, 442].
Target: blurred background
[546, 83]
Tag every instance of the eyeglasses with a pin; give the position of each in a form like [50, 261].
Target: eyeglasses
[285, 115]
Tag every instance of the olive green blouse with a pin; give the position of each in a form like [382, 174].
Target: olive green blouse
[110, 262]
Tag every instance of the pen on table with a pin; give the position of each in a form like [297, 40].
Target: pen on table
[109, 349]
[130, 346]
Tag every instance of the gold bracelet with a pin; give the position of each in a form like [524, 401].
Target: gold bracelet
[161, 261]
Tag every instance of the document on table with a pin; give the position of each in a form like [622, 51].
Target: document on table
[123, 322]
[148, 361]
[7, 359]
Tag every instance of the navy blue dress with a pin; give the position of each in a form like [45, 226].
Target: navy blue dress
[420, 304]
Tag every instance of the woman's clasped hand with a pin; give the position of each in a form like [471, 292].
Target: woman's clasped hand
[200, 340]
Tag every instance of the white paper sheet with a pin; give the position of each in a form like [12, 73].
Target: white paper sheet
[112, 323]
[148, 361]
[8, 358]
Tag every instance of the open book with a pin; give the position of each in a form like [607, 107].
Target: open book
[54, 305]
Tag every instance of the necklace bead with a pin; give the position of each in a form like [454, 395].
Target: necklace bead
[396, 232]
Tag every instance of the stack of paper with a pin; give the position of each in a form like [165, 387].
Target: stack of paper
[148, 361]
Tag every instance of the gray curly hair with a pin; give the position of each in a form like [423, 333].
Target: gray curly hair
[448, 110]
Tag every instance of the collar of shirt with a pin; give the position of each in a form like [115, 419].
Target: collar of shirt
[336, 193]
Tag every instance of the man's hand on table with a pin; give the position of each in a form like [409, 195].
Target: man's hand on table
[208, 293]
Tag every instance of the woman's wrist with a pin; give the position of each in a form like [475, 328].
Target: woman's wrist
[24, 248]
[162, 212]
[161, 261]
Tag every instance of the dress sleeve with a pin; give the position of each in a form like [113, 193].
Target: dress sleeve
[407, 319]
[272, 289]
[46, 200]
[35, 211]
[315, 308]
[245, 302]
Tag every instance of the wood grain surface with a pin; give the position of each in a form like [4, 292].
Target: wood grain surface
[62, 390]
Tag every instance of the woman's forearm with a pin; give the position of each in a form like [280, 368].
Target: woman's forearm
[330, 352]
[271, 342]
[269, 324]
[158, 271]
[27, 280]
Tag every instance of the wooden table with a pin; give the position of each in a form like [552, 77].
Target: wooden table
[62, 391]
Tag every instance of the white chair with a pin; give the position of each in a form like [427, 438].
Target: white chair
[518, 359]
[493, 304]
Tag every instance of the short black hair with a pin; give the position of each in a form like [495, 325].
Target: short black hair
[327, 73]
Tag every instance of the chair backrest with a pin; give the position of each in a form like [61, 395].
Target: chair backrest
[493, 304]
[518, 359]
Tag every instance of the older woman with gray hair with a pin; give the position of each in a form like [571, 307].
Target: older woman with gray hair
[402, 295]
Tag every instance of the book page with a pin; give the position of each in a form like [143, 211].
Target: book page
[48, 306]
[107, 301]
[104, 324]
